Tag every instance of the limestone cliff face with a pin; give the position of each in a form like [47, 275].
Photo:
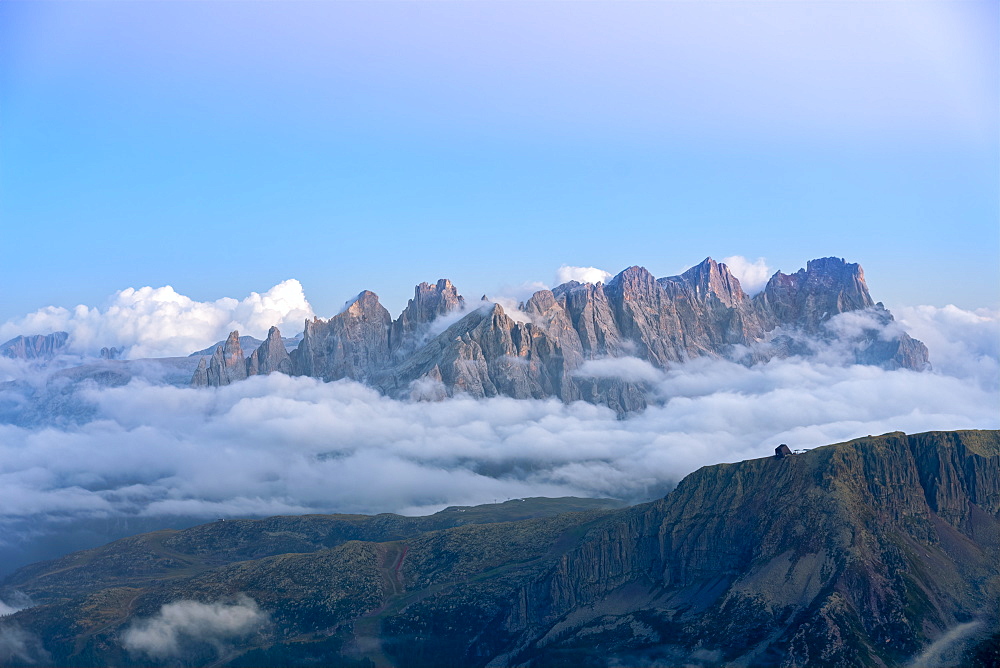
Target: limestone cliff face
[485, 354]
[543, 351]
[593, 319]
[813, 295]
[352, 344]
[854, 554]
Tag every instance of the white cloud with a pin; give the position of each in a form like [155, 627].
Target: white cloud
[630, 369]
[278, 444]
[961, 343]
[753, 276]
[567, 273]
[159, 322]
[184, 625]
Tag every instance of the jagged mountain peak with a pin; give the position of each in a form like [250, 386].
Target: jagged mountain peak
[233, 342]
[488, 351]
[634, 276]
[366, 301]
[711, 278]
[811, 296]
[430, 302]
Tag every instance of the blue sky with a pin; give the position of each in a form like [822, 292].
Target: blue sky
[223, 147]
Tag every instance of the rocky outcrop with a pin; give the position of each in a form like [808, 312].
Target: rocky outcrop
[856, 554]
[593, 318]
[270, 356]
[429, 303]
[353, 344]
[37, 347]
[227, 365]
[544, 351]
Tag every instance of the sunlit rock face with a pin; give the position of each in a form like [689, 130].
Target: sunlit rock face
[437, 347]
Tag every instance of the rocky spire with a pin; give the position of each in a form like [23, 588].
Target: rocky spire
[429, 303]
[200, 378]
[227, 364]
[270, 356]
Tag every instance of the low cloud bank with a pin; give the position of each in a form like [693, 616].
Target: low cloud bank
[160, 322]
[629, 369]
[182, 627]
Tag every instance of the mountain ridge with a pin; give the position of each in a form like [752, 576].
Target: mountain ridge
[538, 354]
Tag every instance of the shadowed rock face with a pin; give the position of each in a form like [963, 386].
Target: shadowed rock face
[542, 352]
[856, 554]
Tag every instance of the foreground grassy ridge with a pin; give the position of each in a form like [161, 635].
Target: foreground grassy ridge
[854, 554]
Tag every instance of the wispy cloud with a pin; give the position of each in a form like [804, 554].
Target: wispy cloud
[184, 626]
[19, 647]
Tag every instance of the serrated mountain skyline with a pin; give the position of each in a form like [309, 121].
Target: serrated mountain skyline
[438, 347]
